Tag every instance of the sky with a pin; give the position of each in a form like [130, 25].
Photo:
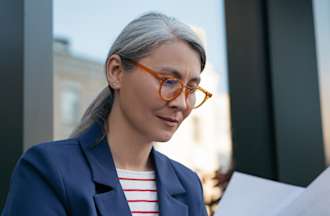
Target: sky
[91, 27]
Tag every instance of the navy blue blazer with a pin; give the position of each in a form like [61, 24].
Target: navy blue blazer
[78, 177]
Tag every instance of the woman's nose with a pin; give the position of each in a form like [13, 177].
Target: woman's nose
[180, 102]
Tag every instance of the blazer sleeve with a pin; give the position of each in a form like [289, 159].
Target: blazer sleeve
[36, 188]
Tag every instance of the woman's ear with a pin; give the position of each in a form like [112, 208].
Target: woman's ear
[114, 71]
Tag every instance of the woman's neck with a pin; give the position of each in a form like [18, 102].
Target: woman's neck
[129, 149]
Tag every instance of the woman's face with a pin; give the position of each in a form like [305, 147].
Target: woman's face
[139, 100]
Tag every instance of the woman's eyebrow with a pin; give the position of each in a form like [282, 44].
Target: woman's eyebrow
[176, 73]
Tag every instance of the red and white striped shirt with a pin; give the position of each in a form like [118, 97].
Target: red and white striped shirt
[140, 191]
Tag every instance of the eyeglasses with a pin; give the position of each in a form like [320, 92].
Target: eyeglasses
[171, 87]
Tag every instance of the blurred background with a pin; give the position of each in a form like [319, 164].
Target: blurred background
[268, 67]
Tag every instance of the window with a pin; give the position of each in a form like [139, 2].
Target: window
[70, 105]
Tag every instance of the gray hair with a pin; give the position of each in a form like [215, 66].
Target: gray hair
[136, 41]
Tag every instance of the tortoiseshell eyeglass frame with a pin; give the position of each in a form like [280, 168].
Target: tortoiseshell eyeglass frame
[162, 78]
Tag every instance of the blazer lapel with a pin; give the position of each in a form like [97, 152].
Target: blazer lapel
[109, 197]
[168, 186]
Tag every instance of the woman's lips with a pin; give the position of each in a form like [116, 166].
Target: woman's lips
[169, 121]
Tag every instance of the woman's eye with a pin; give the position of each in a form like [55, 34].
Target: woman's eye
[171, 82]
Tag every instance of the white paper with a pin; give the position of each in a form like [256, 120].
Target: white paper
[253, 196]
[314, 201]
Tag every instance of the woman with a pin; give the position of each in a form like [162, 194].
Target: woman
[109, 165]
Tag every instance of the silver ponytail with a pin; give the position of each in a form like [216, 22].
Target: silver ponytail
[97, 111]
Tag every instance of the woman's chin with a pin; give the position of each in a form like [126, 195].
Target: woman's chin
[164, 137]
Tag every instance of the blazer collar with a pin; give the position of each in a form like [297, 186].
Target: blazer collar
[166, 174]
[169, 186]
[97, 152]
[111, 200]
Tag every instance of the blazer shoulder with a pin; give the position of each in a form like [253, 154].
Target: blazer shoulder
[49, 157]
[53, 150]
[37, 183]
[52, 146]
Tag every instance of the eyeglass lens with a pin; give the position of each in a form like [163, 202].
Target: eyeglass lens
[171, 88]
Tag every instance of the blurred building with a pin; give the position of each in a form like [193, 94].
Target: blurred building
[77, 81]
